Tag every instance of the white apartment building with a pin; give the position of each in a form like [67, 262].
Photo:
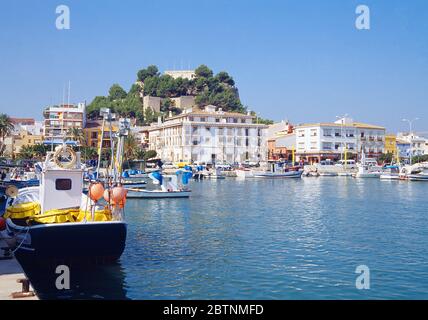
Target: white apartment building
[316, 142]
[418, 146]
[59, 120]
[209, 136]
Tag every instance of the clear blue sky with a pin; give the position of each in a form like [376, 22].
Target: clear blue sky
[301, 60]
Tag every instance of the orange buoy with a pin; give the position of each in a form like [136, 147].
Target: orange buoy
[118, 193]
[107, 195]
[96, 191]
[2, 223]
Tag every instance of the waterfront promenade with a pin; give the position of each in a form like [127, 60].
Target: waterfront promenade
[10, 272]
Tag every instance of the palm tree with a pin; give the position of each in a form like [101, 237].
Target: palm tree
[76, 134]
[26, 152]
[131, 147]
[6, 128]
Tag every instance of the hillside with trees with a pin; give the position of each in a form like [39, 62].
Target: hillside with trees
[218, 90]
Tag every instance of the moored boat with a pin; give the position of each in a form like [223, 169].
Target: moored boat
[56, 224]
[176, 187]
[390, 173]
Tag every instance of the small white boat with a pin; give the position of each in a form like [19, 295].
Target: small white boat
[175, 188]
[243, 173]
[136, 193]
[287, 174]
[328, 174]
[421, 176]
[368, 174]
[215, 174]
[390, 173]
[345, 174]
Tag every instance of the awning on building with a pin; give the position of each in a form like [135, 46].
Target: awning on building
[54, 142]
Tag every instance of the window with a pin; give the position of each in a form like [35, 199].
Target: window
[217, 120]
[94, 135]
[63, 184]
[326, 145]
[313, 132]
[301, 133]
[337, 133]
[327, 132]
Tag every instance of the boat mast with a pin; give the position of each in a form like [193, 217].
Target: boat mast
[124, 126]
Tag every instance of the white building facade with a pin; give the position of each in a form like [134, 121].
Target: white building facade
[209, 136]
[320, 141]
[418, 146]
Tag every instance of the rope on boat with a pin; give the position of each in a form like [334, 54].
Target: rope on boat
[22, 242]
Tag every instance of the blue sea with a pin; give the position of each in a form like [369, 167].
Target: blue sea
[272, 239]
[280, 239]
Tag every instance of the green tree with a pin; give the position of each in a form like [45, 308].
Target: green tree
[116, 92]
[77, 134]
[224, 77]
[26, 152]
[93, 109]
[203, 72]
[89, 153]
[149, 72]
[150, 154]
[39, 151]
[6, 128]
[131, 146]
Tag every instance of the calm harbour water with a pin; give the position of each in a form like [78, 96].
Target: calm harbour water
[280, 239]
[272, 239]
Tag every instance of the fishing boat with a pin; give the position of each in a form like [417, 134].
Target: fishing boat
[19, 179]
[176, 187]
[57, 222]
[368, 168]
[391, 172]
[280, 172]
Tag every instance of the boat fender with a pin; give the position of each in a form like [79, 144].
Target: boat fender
[96, 191]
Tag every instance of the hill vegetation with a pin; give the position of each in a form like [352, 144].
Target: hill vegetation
[219, 90]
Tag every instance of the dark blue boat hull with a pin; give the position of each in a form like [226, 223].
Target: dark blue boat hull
[90, 251]
[73, 241]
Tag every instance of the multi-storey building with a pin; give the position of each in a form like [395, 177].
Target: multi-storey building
[60, 119]
[209, 136]
[391, 144]
[316, 142]
[417, 144]
[93, 133]
[281, 141]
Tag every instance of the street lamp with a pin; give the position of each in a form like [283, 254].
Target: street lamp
[410, 134]
[342, 118]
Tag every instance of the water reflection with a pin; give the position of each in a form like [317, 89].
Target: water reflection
[87, 281]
